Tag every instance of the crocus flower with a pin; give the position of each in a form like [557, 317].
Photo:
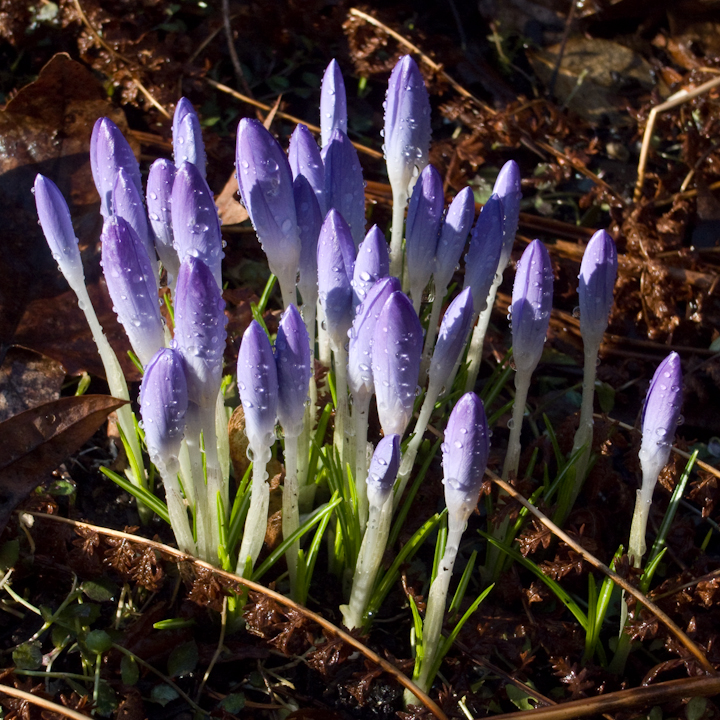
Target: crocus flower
[159, 199]
[383, 469]
[195, 222]
[531, 305]
[344, 184]
[109, 151]
[336, 261]
[484, 251]
[305, 159]
[309, 222]
[200, 329]
[371, 264]
[132, 287]
[333, 103]
[421, 232]
[507, 188]
[453, 234]
[266, 186]
[660, 418]
[407, 124]
[598, 271]
[188, 145]
[397, 345]
[258, 386]
[292, 357]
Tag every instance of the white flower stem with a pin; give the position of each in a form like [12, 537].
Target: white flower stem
[478, 336]
[361, 407]
[215, 486]
[256, 522]
[431, 333]
[177, 509]
[368, 562]
[342, 411]
[202, 518]
[638, 528]
[512, 457]
[290, 511]
[400, 198]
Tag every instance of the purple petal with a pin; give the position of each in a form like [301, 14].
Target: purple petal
[292, 357]
[333, 103]
[344, 184]
[195, 222]
[407, 123]
[159, 200]
[371, 264]
[258, 386]
[453, 234]
[200, 329]
[128, 204]
[531, 305]
[452, 335]
[188, 144]
[305, 159]
[397, 346]
[383, 470]
[132, 287]
[598, 271]
[109, 151]
[507, 187]
[309, 222]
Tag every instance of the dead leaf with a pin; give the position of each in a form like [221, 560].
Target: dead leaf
[35, 442]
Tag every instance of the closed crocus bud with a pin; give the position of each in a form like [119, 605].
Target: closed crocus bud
[371, 264]
[360, 377]
[464, 456]
[598, 271]
[507, 188]
[531, 305]
[309, 222]
[484, 251]
[305, 159]
[292, 357]
[454, 330]
[56, 224]
[397, 346]
[109, 151]
[407, 124]
[344, 184]
[132, 287]
[188, 145]
[383, 470]
[661, 415]
[421, 232]
[266, 186]
[195, 222]
[453, 234]
[258, 386]
[163, 406]
[333, 103]
[128, 204]
[159, 198]
[200, 329]
[336, 262]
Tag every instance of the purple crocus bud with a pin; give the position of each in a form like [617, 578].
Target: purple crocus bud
[200, 329]
[188, 145]
[266, 186]
[407, 124]
[109, 151]
[360, 377]
[305, 159]
[132, 287]
[453, 333]
[309, 222]
[483, 256]
[371, 264]
[598, 271]
[383, 470]
[531, 305]
[163, 406]
[56, 224]
[258, 385]
[333, 103]
[465, 455]
[397, 346]
[127, 203]
[661, 415]
[195, 222]
[453, 234]
[336, 262]
[159, 199]
[507, 188]
[292, 357]
[421, 231]
[344, 184]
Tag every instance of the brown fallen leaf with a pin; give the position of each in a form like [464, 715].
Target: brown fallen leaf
[35, 442]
